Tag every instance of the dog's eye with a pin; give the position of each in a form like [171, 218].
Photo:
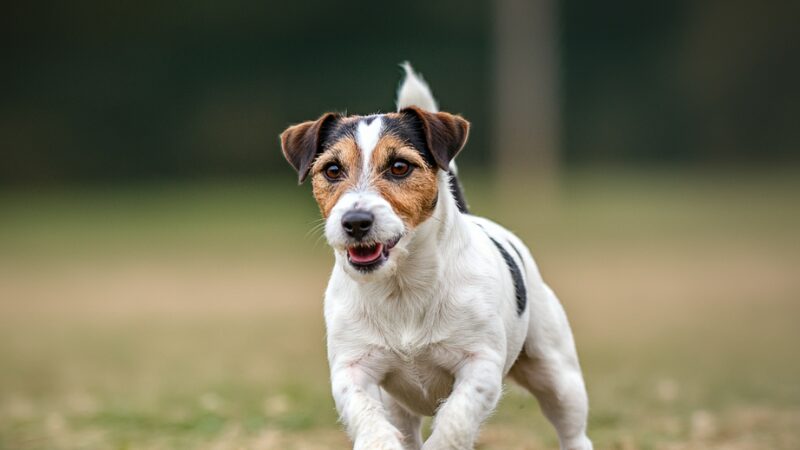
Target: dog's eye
[400, 168]
[332, 172]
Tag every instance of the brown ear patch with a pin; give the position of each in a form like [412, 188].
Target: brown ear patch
[302, 142]
[413, 198]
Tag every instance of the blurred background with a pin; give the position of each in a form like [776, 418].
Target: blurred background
[161, 285]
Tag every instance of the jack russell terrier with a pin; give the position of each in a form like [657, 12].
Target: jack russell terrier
[428, 307]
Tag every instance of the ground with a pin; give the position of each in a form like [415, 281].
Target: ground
[190, 315]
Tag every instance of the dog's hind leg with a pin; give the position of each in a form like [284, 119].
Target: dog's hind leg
[548, 367]
[409, 424]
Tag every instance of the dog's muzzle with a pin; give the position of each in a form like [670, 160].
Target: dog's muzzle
[365, 253]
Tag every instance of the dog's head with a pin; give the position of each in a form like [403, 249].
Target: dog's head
[375, 178]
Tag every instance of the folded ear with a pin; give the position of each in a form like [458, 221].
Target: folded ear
[302, 143]
[444, 133]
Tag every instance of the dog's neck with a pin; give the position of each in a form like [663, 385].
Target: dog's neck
[440, 234]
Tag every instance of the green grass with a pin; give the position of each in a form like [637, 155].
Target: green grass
[189, 315]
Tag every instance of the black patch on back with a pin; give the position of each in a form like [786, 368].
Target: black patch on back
[521, 293]
[513, 247]
[458, 194]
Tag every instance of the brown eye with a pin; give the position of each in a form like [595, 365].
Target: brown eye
[400, 168]
[332, 172]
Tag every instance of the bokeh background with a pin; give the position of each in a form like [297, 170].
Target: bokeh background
[161, 285]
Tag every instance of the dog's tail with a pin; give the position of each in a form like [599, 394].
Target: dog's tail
[414, 91]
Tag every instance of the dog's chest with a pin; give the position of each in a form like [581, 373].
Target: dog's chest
[418, 381]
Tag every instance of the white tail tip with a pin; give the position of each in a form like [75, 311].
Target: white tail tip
[414, 91]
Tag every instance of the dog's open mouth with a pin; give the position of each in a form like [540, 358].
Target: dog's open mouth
[369, 256]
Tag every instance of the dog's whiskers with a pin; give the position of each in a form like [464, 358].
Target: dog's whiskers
[316, 226]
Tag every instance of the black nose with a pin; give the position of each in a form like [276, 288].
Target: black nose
[357, 223]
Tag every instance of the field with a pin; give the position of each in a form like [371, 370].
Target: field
[189, 316]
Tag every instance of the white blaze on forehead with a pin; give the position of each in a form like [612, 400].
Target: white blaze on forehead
[367, 135]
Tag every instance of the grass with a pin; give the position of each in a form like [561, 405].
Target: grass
[189, 316]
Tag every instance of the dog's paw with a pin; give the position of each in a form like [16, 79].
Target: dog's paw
[380, 440]
[582, 443]
[439, 443]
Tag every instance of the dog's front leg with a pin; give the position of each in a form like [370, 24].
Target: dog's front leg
[476, 391]
[357, 396]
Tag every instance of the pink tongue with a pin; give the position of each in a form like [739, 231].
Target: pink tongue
[363, 255]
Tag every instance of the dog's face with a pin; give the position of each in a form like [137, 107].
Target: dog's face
[375, 178]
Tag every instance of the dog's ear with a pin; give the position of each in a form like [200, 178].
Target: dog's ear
[445, 134]
[302, 143]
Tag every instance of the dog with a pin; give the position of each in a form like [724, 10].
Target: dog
[428, 308]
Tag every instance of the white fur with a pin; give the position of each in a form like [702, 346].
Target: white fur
[414, 91]
[367, 136]
[435, 330]
[387, 225]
